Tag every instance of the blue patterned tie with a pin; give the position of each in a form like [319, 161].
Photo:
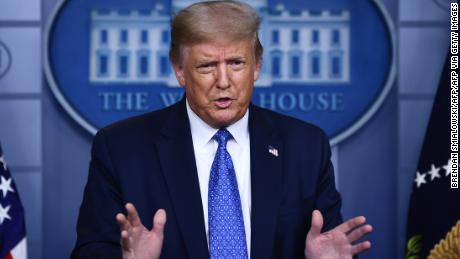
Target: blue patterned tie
[227, 238]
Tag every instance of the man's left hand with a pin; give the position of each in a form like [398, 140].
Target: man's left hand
[337, 243]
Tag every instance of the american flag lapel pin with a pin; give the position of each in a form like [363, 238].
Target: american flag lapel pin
[273, 151]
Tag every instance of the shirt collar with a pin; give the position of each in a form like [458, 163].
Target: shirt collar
[202, 133]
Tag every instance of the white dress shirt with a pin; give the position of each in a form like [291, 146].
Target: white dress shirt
[205, 149]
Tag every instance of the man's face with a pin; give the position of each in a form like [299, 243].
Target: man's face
[218, 79]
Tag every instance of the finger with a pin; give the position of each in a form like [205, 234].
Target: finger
[351, 224]
[125, 240]
[122, 222]
[316, 223]
[133, 216]
[359, 233]
[159, 221]
[358, 248]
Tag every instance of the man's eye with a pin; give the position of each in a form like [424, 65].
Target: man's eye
[236, 63]
[204, 65]
[207, 67]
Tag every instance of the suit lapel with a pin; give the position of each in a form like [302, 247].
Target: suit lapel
[266, 183]
[177, 160]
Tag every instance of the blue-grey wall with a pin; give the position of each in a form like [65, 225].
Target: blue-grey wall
[49, 153]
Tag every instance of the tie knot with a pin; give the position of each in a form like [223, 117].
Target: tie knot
[222, 137]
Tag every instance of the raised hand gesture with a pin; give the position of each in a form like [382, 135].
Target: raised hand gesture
[337, 243]
[137, 242]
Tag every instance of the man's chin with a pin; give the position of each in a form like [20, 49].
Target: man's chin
[224, 119]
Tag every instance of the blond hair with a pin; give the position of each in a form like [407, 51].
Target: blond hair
[211, 21]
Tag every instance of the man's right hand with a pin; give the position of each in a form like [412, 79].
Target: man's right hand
[137, 242]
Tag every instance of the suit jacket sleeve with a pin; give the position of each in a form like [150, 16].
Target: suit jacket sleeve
[328, 200]
[97, 231]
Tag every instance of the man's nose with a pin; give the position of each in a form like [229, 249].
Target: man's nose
[222, 76]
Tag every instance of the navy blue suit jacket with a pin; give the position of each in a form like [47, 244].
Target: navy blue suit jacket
[149, 160]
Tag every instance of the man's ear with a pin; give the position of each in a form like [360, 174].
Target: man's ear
[179, 72]
[257, 69]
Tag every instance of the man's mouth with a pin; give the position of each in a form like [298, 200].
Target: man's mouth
[223, 103]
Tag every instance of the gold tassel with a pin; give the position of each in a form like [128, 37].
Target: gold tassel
[449, 247]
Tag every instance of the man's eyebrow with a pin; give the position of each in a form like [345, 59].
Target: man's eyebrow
[234, 58]
[205, 62]
[209, 60]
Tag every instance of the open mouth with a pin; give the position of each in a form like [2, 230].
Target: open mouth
[223, 103]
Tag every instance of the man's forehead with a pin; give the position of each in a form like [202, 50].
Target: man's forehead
[220, 49]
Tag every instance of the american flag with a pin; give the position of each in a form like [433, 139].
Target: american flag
[12, 224]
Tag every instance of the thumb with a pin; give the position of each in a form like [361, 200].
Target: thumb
[316, 223]
[159, 221]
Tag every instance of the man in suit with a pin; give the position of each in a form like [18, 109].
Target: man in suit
[222, 178]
